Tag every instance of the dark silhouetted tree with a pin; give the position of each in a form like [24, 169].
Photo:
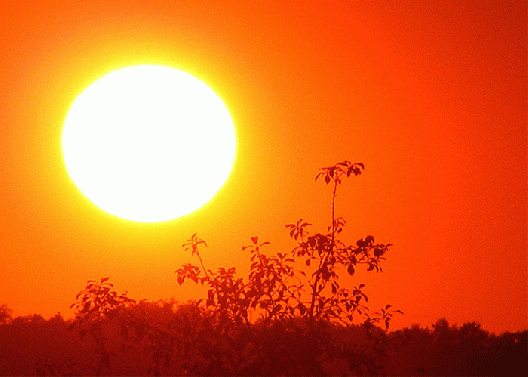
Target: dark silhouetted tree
[301, 285]
[5, 314]
[97, 305]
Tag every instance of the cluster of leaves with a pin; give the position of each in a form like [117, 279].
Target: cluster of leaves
[309, 321]
[301, 283]
[5, 314]
[31, 345]
[296, 294]
[300, 287]
[97, 305]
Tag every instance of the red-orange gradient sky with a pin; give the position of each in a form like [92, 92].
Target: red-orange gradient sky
[430, 95]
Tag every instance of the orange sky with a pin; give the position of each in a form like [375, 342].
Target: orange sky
[431, 96]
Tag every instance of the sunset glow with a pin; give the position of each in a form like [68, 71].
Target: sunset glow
[129, 126]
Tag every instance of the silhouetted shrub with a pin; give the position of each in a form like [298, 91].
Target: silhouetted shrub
[290, 316]
[33, 346]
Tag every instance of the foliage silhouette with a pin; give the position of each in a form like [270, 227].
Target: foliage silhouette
[279, 289]
[297, 295]
[31, 345]
[5, 314]
[299, 291]
[291, 315]
[97, 305]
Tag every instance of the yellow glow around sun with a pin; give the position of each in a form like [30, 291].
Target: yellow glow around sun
[148, 143]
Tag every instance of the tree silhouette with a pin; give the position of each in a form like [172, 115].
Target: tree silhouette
[300, 288]
[96, 306]
[5, 314]
[278, 288]
[296, 295]
[31, 345]
[292, 315]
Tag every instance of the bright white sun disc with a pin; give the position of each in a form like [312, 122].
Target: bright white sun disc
[148, 143]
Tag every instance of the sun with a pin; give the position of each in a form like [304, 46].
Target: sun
[148, 143]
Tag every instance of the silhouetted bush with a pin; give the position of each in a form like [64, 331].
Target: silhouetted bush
[34, 346]
[290, 316]
[5, 314]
